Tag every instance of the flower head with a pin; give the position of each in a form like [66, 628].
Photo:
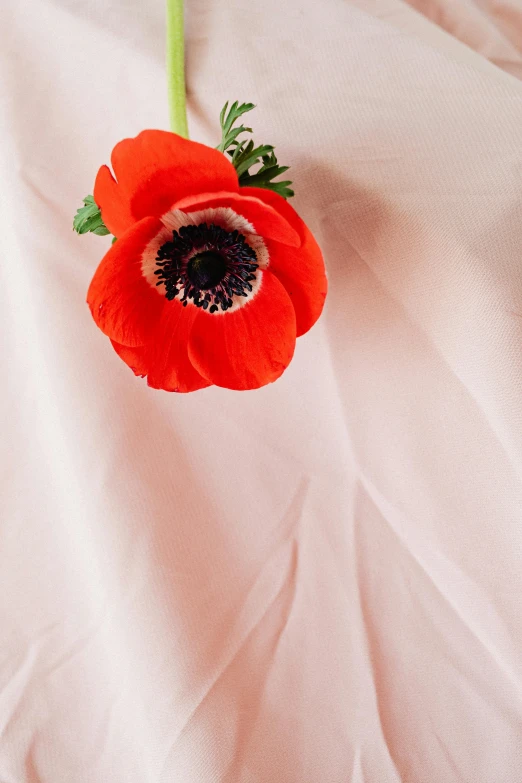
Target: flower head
[208, 282]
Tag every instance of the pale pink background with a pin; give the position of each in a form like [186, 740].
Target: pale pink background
[320, 581]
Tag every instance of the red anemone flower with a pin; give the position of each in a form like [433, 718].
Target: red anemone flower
[208, 282]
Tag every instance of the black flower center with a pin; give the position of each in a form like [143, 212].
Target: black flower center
[206, 269]
[208, 265]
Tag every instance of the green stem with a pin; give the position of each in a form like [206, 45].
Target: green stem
[176, 67]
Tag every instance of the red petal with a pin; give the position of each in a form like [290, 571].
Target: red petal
[301, 271]
[135, 358]
[123, 304]
[170, 367]
[267, 222]
[155, 169]
[114, 206]
[249, 347]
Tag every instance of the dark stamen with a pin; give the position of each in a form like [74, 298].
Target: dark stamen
[209, 264]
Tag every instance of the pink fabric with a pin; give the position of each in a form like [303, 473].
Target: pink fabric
[316, 582]
[491, 27]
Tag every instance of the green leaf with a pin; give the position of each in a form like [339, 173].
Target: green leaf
[232, 136]
[88, 219]
[260, 181]
[227, 120]
[250, 157]
[239, 147]
[223, 113]
[265, 175]
[244, 155]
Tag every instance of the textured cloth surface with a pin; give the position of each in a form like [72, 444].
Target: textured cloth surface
[319, 581]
